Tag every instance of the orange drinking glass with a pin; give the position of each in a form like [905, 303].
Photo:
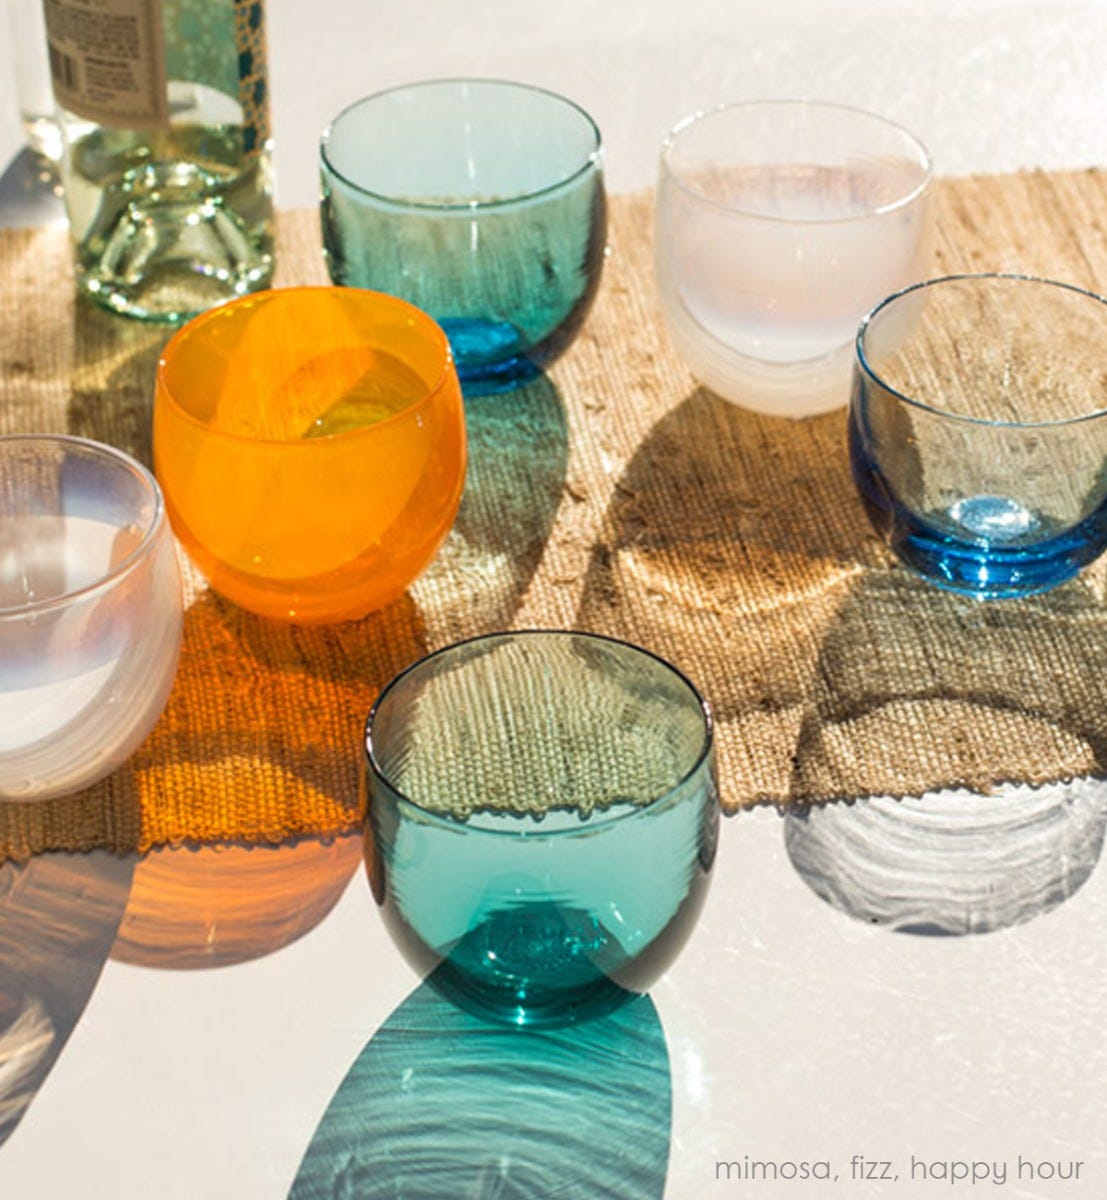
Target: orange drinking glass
[311, 446]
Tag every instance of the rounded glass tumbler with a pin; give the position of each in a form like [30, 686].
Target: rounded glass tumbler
[311, 444]
[779, 225]
[978, 430]
[542, 821]
[480, 201]
[90, 612]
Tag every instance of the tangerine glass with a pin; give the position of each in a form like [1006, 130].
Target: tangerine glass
[311, 446]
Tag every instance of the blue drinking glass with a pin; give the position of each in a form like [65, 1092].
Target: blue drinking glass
[978, 430]
[479, 201]
[542, 821]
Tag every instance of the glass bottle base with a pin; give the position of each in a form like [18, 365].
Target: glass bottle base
[168, 225]
[166, 261]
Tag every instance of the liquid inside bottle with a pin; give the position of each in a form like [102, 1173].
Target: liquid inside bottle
[166, 168]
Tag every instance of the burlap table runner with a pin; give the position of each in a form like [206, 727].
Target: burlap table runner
[614, 495]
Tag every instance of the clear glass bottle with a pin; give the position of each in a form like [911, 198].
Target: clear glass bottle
[167, 154]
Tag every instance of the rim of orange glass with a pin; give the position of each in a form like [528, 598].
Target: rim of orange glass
[198, 324]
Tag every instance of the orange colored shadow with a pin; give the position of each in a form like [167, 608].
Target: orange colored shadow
[218, 905]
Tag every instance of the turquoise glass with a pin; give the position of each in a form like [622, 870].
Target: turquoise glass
[481, 202]
[542, 821]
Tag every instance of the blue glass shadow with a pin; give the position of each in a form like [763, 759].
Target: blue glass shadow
[441, 1105]
[950, 863]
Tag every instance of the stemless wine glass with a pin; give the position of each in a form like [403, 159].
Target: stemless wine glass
[542, 820]
[90, 612]
[978, 430]
[311, 444]
[779, 225]
[479, 200]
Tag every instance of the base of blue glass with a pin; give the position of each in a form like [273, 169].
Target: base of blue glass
[488, 355]
[1009, 564]
[535, 966]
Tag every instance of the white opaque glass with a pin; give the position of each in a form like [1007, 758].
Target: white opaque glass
[779, 225]
[90, 613]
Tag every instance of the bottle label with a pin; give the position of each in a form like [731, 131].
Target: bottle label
[116, 62]
[221, 44]
[107, 60]
[253, 89]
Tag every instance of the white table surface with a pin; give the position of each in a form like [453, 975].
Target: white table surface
[194, 1054]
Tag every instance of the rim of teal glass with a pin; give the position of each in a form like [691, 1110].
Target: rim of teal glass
[867, 369]
[452, 823]
[129, 564]
[303, 446]
[592, 163]
[704, 114]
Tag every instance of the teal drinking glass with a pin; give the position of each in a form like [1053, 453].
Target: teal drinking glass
[542, 821]
[479, 201]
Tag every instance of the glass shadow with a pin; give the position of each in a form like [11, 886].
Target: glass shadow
[58, 918]
[518, 454]
[441, 1104]
[735, 545]
[950, 863]
[212, 906]
[30, 194]
[728, 544]
[111, 393]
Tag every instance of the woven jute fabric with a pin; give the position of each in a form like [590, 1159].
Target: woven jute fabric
[538, 723]
[614, 495]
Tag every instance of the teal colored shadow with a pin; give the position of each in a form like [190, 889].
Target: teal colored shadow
[442, 1105]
